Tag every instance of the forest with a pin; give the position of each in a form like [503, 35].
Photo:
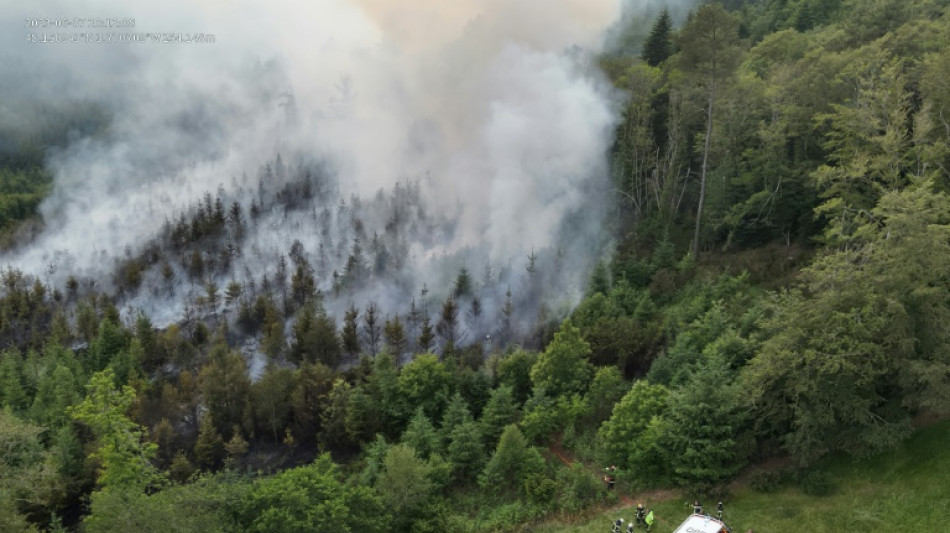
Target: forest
[776, 285]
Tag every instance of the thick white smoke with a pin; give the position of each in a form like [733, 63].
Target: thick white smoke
[492, 105]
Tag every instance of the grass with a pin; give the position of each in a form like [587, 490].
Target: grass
[904, 490]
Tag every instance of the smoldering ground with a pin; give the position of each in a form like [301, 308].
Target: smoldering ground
[490, 113]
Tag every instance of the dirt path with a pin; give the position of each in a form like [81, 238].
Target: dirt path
[626, 501]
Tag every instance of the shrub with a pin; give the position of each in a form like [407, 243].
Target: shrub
[765, 480]
[816, 483]
[581, 488]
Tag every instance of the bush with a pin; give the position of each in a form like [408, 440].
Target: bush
[816, 483]
[581, 488]
[540, 489]
[764, 480]
[509, 516]
[771, 480]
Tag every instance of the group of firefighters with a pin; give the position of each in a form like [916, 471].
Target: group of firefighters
[644, 517]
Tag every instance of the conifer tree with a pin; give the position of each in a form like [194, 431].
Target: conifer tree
[209, 448]
[350, 334]
[658, 46]
[426, 335]
[395, 336]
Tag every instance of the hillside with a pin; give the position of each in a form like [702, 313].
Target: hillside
[902, 488]
[436, 271]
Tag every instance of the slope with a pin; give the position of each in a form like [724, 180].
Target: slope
[904, 489]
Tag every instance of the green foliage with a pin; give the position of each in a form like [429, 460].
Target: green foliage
[606, 389]
[109, 344]
[764, 480]
[843, 362]
[271, 398]
[658, 45]
[511, 464]
[374, 455]
[844, 113]
[475, 385]
[340, 418]
[121, 445]
[350, 338]
[465, 449]
[816, 483]
[544, 416]
[456, 413]
[631, 436]
[28, 477]
[581, 488]
[867, 144]
[675, 366]
[13, 393]
[21, 191]
[463, 284]
[209, 447]
[203, 505]
[599, 280]
[395, 334]
[703, 427]
[226, 389]
[500, 411]
[425, 382]
[311, 387]
[181, 468]
[311, 498]
[314, 338]
[514, 369]
[406, 484]
[900, 486]
[562, 369]
[421, 435]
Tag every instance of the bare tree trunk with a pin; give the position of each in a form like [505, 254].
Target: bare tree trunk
[702, 179]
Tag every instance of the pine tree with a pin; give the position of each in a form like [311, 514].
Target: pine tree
[426, 335]
[371, 328]
[12, 392]
[181, 468]
[455, 414]
[351, 339]
[711, 53]
[209, 448]
[421, 435]
[658, 46]
[511, 463]
[500, 411]
[463, 284]
[447, 328]
[395, 336]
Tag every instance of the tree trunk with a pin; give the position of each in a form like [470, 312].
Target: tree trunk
[702, 179]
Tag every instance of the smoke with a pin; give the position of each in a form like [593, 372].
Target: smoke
[631, 28]
[489, 112]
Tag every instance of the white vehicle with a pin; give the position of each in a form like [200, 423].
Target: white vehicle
[698, 523]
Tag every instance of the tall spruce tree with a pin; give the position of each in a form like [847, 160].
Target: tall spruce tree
[711, 51]
[658, 46]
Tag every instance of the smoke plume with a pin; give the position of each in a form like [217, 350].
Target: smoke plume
[489, 113]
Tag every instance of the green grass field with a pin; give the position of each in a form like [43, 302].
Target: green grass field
[906, 490]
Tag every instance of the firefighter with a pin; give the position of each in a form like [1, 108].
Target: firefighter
[641, 514]
[618, 524]
[610, 476]
[719, 510]
[649, 519]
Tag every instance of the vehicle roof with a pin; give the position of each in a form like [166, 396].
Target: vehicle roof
[698, 523]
